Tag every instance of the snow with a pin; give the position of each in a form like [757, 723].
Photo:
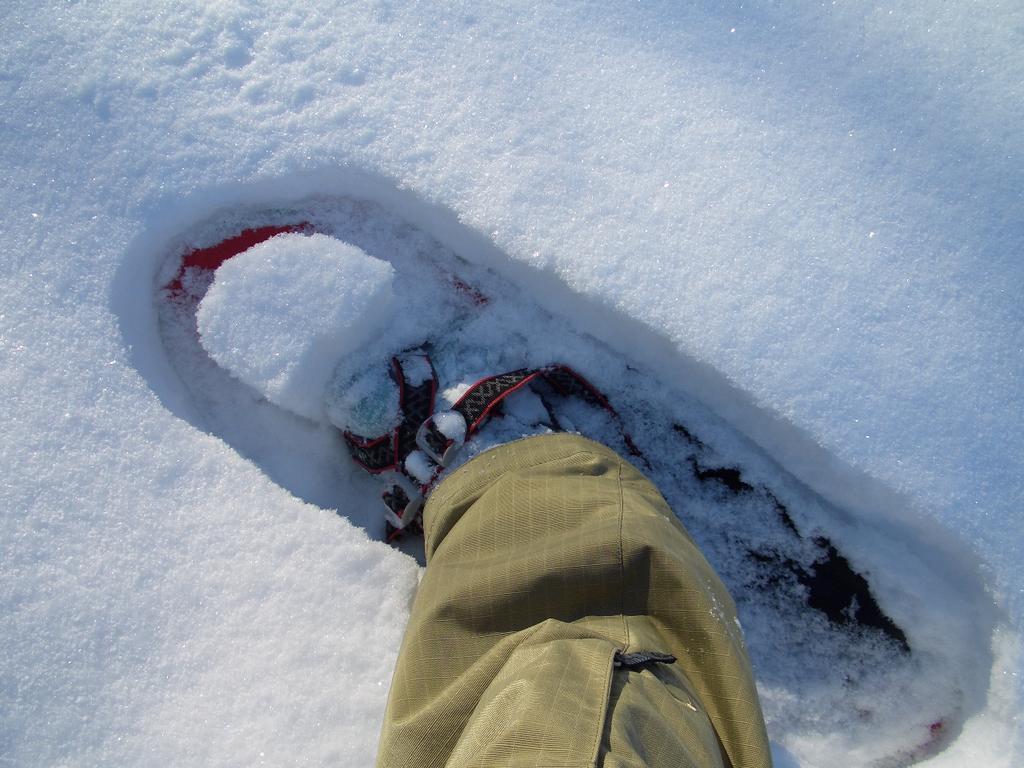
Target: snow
[365, 403]
[419, 466]
[415, 367]
[806, 215]
[451, 424]
[281, 315]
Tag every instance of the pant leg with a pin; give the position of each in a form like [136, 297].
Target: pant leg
[544, 557]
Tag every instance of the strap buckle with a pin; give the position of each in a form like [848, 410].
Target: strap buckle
[402, 517]
[428, 431]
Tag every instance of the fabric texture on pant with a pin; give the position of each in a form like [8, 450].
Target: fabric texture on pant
[545, 557]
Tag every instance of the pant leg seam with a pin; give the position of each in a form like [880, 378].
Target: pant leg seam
[622, 563]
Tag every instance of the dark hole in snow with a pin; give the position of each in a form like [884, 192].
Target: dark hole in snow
[688, 436]
[833, 587]
[730, 477]
[842, 594]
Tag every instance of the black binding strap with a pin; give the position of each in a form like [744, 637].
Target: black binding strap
[480, 400]
[416, 404]
[403, 496]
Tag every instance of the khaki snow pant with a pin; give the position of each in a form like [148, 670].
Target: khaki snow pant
[545, 556]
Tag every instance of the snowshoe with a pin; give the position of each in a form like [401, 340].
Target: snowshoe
[826, 612]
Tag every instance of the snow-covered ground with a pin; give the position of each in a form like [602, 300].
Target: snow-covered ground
[808, 216]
